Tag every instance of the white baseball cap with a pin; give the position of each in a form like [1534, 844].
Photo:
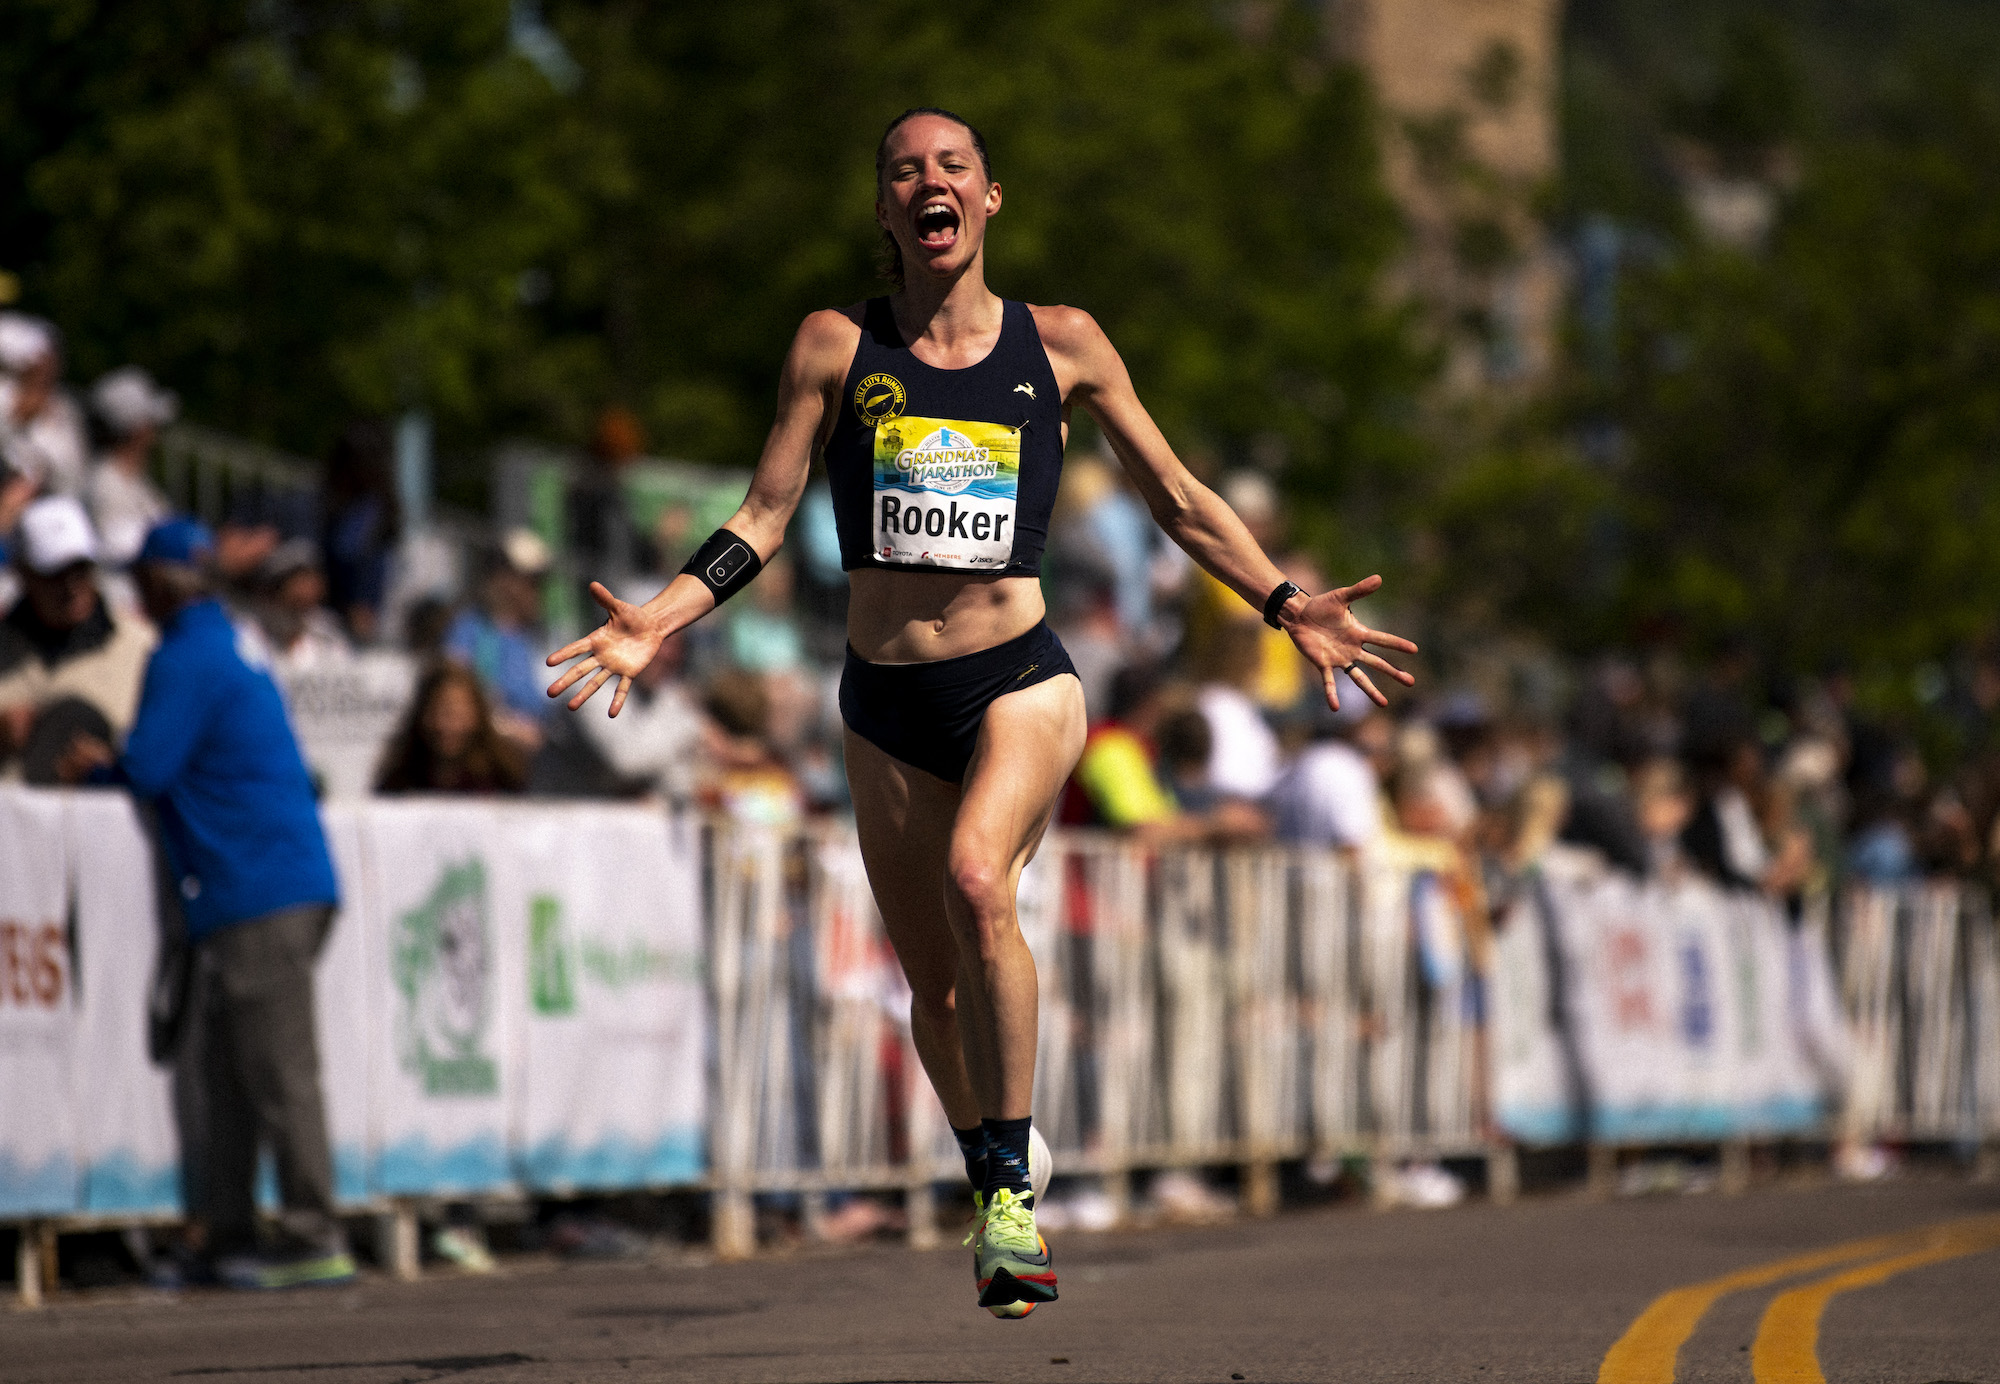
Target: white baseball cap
[24, 340]
[56, 533]
[127, 400]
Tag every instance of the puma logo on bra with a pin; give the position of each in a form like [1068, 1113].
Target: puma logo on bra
[1026, 389]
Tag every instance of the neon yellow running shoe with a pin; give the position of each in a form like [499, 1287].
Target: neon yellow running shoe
[1012, 1266]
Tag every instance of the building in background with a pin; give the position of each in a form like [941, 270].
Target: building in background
[1468, 90]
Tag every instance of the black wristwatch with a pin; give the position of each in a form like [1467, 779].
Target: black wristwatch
[1275, 602]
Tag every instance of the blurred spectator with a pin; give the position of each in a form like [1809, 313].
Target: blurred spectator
[213, 753]
[43, 445]
[1244, 763]
[602, 534]
[1105, 537]
[302, 632]
[67, 663]
[448, 743]
[124, 502]
[1329, 795]
[1088, 624]
[360, 525]
[748, 782]
[1276, 678]
[1744, 833]
[1662, 805]
[763, 633]
[500, 638]
[1117, 784]
[656, 738]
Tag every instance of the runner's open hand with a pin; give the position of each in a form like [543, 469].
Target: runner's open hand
[619, 648]
[1328, 634]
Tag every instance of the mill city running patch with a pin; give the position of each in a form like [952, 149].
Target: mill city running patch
[879, 398]
[945, 493]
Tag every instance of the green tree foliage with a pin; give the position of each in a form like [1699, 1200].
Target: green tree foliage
[1808, 420]
[1816, 429]
[295, 212]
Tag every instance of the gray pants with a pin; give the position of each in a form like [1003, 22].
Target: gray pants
[247, 1072]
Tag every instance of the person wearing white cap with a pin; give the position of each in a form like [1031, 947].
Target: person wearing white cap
[42, 439]
[61, 644]
[123, 500]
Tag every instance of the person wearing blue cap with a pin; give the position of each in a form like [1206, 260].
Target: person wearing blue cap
[212, 752]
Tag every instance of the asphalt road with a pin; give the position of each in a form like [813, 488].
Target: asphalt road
[1537, 1291]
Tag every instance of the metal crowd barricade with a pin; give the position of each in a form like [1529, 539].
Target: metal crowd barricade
[1197, 1007]
[1920, 981]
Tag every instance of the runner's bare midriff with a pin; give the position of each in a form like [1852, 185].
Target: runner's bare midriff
[920, 617]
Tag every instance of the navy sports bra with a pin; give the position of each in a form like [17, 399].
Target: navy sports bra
[950, 470]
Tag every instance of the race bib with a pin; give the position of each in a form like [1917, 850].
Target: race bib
[945, 492]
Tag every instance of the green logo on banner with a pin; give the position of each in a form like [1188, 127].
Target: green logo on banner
[443, 966]
[549, 984]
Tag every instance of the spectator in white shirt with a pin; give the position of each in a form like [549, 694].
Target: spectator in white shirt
[1329, 796]
[42, 439]
[124, 502]
[1244, 760]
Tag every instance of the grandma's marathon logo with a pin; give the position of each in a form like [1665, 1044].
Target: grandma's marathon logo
[946, 462]
[443, 963]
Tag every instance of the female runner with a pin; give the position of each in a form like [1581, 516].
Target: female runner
[943, 411]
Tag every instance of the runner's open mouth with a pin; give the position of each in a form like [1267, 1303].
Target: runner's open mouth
[937, 226]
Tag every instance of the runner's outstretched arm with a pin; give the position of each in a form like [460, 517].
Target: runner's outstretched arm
[632, 634]
[1195, 517]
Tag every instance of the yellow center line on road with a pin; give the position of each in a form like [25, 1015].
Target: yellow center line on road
[1646, 1353]
[1787, 1347]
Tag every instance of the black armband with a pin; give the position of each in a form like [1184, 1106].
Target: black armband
[725, 564]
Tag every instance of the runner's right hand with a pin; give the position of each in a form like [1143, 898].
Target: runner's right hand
[621, 647]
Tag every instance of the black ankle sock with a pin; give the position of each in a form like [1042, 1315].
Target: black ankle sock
[972, 1144]
[1007, 1156]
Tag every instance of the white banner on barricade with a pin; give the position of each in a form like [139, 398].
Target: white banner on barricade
[443, 957]
[1681, 1001]
[341, 1011]
[127, 1140]
[345, 710]
[615, 1082]
[1531, 1081]
[38, 1009]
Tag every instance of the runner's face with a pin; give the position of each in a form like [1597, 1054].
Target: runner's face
[934, 197]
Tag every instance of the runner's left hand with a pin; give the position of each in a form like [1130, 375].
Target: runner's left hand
[1332, 639]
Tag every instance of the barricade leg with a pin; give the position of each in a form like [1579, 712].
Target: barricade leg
[1601, 1183]
[1260, 1188]
[1118, 1190]
[733, 1220]
[920, 1209]
[1735, 1179]
[1503, 1173]
[397, 1242]
[28, 1265]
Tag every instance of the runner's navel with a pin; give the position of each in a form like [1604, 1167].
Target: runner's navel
[937, 627]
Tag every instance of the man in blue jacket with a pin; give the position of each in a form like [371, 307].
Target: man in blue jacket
[213, 753]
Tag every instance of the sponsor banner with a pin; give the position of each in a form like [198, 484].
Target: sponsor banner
[1531, 1081]
[442, 957]
[344, 711]
[1680, 999]
[614, 1084]
[341, 1011]
[38, 1018]
[129, 1145]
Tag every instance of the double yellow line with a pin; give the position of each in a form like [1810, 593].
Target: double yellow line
[1787, 1346]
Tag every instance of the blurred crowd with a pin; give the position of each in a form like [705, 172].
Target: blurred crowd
[1205, 724]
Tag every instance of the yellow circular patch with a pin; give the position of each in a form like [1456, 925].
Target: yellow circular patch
[879, 398]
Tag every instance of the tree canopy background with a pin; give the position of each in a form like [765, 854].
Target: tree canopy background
[298, 212]
[1793, 437]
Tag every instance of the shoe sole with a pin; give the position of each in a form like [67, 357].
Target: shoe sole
[1005, 1288]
